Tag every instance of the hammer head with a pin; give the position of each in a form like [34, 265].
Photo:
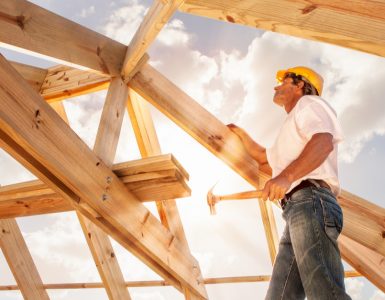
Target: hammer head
[212, 200]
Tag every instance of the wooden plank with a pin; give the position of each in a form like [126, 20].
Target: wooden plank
[105, 147]
[364, 222]
[34, 76]
[24, 25]
[357, 24]
[366, 261]
[62, 82]
[33, 133]
[148, 142]
[154, 283]
[207, 130]
[20, 261]
[157, 16]
[111, 121]
[150, 179]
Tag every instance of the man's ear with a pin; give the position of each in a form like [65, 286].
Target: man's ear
[300, 85]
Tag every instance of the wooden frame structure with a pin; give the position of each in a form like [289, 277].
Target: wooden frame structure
[108, 198]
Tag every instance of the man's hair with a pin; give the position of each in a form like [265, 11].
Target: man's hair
[307, 89]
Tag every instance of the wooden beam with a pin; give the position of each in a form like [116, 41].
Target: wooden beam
[364, 222]
[155, 178]
[357, 24]
[34, 76]
[148, 142]
[105, 147]
[207, 130]
[20, 261]
[34, 134]
[157, 16]
[24, 25]
[62, 82]
[366, 261]
[154, 283]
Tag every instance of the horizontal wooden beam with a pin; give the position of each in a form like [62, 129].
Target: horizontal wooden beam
[154, 283]
[62, 82]
[26, 26]
[150, 179]
[33, 133]
[357, 24]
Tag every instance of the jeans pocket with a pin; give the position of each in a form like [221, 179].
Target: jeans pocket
[333, 219]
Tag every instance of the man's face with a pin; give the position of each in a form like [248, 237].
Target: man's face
[285, 92]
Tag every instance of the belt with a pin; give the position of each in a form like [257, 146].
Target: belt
[304, 184]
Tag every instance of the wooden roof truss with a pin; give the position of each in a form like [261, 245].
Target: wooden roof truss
[107, 198]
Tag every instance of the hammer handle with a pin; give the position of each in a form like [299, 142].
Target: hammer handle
[242, 195]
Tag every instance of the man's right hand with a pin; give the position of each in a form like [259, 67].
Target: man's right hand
[237, 130]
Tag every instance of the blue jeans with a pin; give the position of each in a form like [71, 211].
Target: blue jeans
[309, 262]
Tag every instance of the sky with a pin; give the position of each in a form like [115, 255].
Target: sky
[230, 70]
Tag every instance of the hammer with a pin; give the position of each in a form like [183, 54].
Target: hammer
[214, 199]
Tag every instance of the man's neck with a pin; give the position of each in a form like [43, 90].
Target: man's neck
[289, 107]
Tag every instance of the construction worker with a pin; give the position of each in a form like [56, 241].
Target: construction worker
[303, 162]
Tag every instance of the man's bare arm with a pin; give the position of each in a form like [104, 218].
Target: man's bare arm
[312, 156]
[255, 150]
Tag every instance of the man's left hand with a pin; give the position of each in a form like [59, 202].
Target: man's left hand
[276, 188]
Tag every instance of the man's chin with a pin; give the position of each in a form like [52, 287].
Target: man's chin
[276, 101]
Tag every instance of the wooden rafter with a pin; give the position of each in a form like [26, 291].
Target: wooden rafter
[207, 130]
[105, 147]
[356, 24]
[24, 25]
[149, 145]
[157, 16]
[20, 261]
[92, 186]
[366, 261]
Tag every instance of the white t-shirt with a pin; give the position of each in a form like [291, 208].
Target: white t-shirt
[311, 115]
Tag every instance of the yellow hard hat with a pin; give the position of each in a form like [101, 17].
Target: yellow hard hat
[313, 77]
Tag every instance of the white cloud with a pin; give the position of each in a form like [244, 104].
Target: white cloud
[124, 21]
[174, 34]
[88, 11]
[60, 251]
[378, 295]
[354, 288]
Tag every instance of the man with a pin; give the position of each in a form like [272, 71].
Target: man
[303, 161]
